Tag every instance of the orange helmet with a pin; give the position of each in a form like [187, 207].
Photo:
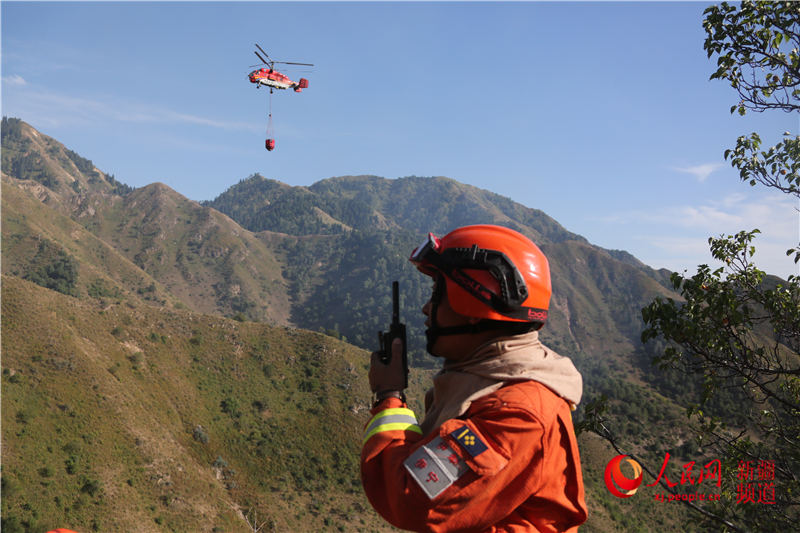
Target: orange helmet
[491, 272]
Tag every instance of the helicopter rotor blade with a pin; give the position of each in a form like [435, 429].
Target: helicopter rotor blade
[262, 59]
[262, 51]
[292, 63]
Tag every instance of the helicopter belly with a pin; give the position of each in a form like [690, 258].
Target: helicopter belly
[274, 84]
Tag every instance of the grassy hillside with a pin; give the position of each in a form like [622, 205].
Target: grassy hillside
[130, 418]
[133, 419]
[58, 176]
[35, 236]
[204, 259]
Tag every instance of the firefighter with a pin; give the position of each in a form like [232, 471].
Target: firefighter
[496, 450]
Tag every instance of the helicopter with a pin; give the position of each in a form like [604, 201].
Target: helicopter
[269, 77]
[274, 79]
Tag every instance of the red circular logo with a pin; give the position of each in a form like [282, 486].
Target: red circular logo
[618, 483]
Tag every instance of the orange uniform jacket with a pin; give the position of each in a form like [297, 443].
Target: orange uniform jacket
[509, 464]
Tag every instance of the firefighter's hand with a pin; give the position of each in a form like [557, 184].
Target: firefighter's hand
[388, 377]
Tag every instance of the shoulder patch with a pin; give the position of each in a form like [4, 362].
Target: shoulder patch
[468, 440]
[435, 466]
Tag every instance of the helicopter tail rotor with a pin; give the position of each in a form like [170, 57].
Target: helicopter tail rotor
[302, 84]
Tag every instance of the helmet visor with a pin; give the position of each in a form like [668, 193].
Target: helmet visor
[422, 253]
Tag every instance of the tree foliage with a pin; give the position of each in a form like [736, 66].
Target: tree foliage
[737, 327]
[740, 330]
[757, 44]
[777, 167]
[758, 49]
[54, 269]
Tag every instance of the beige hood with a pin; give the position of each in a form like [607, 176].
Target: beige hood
[492, 365]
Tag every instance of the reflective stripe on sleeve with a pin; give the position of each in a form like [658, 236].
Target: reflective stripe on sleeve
[395, 419]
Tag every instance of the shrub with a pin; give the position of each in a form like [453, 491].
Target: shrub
[200, 435]
[230, 406]
[91, 487]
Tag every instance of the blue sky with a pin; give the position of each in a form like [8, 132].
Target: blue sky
[600, 114]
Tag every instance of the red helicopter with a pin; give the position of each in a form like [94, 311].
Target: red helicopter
[273, 79]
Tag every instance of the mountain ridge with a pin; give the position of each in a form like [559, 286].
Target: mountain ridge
[264, 250]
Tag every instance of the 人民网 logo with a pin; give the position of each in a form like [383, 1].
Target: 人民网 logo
[618, 483]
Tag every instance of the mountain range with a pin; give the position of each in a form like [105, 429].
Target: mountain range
[170, 365]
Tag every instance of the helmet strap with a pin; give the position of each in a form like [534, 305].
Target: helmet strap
[435, 331]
